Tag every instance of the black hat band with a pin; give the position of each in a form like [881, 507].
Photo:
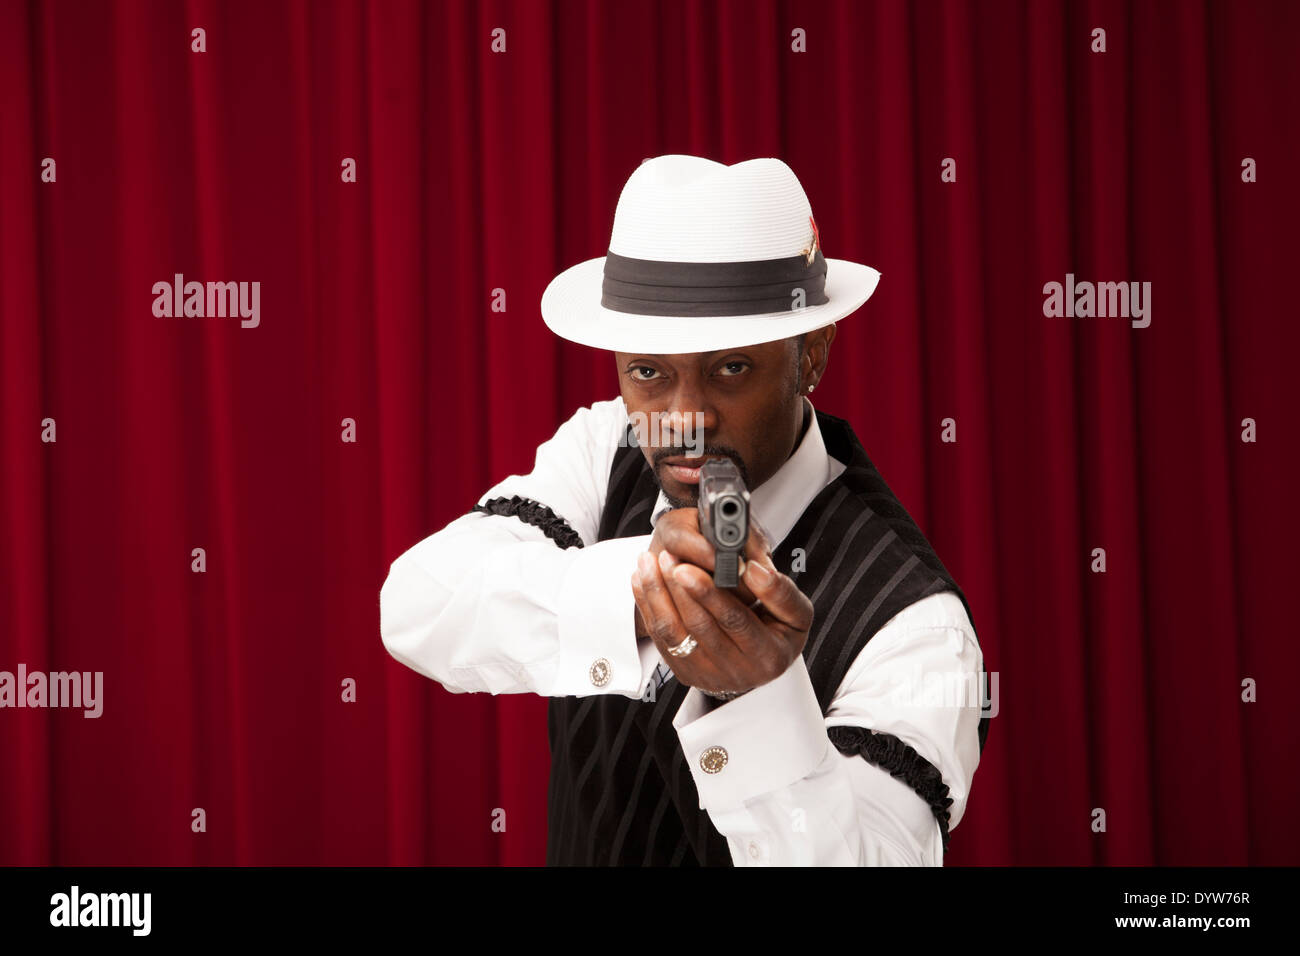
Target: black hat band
[654, 287]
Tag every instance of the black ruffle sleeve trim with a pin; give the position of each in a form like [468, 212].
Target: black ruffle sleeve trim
[902, 762]
[536, 514]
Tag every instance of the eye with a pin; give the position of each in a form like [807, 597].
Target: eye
[636, 371]
[731, 369]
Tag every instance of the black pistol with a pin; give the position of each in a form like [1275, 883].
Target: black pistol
[724, 517]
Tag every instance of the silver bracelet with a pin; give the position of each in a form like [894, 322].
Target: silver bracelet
[723, 694]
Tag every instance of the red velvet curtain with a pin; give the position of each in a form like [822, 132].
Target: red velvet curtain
[479, 171]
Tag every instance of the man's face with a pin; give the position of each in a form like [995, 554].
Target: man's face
[743, 404]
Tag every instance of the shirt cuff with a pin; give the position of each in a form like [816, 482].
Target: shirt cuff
[762, 741]
[599, 651]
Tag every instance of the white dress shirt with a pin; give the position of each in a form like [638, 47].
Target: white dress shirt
[489, 604]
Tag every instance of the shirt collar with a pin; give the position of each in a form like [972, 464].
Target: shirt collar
[778, 502]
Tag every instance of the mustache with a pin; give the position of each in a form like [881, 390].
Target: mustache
[719, 451]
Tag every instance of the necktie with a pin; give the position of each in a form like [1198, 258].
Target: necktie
[661, 675]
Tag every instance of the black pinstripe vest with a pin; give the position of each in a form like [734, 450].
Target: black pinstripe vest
[620, 790]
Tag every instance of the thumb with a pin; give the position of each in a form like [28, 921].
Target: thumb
[762, 548]
[779, 594]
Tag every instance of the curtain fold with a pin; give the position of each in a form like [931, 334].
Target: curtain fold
[212, 525]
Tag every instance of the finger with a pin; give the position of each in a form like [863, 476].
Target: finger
[638, 600]
[642, 609]
[658, 611]
[766, 649]
[781, 597]
[695, 618]
[654, 629]
[758, 546]
[722, 610]
[686, 543]
[741, 590]
[682, 536]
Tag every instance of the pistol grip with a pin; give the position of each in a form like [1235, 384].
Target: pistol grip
[726, 565]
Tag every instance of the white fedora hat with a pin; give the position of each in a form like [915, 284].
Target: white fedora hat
[705, 256]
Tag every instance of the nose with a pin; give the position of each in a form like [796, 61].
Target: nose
[689, 417]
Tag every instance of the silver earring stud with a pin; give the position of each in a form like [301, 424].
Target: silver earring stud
[810, 388]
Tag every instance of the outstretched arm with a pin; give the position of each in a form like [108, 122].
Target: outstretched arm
[492, 604]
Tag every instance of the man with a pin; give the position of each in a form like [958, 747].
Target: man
[691, 724]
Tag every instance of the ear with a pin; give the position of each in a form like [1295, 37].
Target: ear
[816, 354]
